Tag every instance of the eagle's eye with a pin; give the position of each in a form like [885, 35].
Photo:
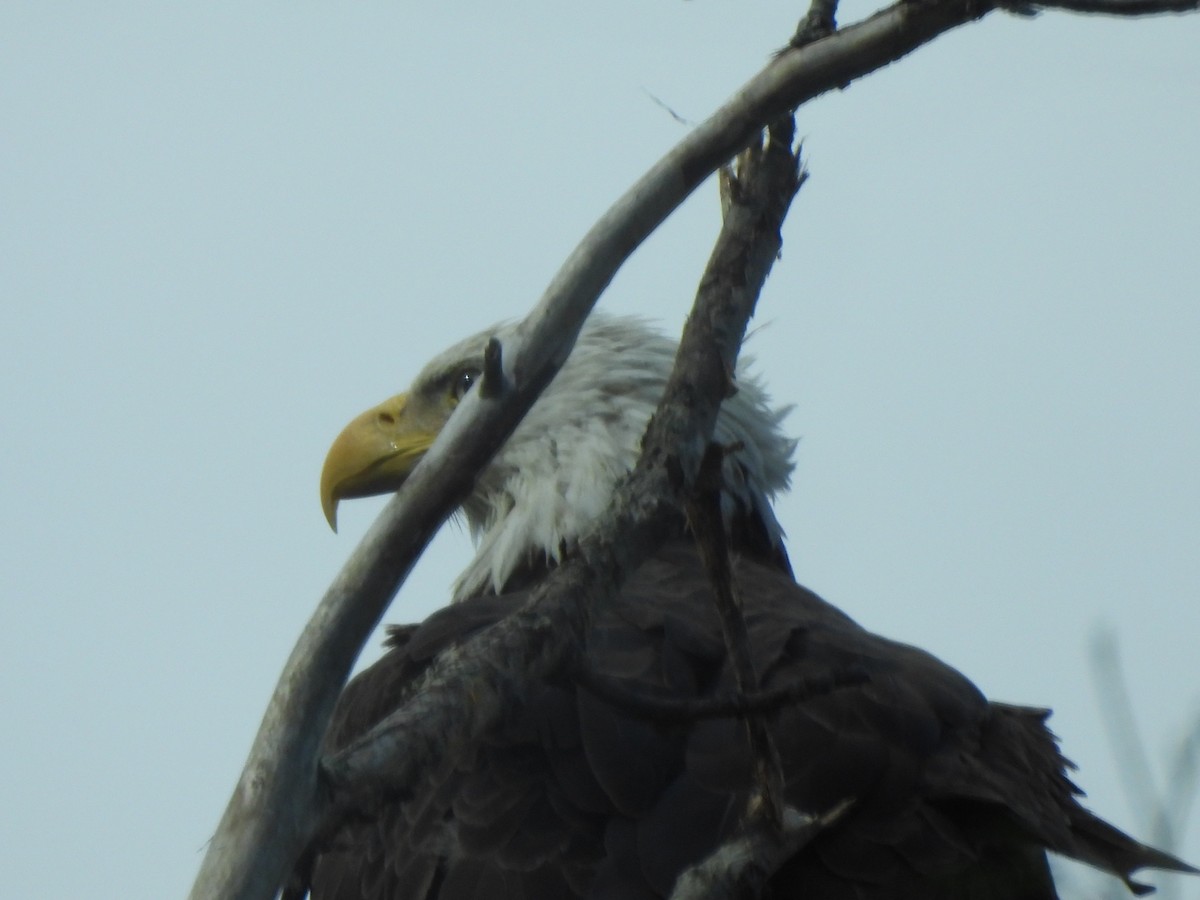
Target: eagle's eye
[461, 383]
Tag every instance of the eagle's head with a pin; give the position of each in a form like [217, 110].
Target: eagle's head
[556, 473]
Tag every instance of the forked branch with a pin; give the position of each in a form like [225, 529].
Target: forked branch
[278, 804]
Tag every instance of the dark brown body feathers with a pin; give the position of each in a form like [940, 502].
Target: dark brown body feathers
[953, 796]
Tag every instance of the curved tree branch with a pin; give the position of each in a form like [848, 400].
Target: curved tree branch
[272, 812]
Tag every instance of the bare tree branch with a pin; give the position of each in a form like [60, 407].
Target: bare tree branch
[1121, 7]
[1183, 781]
[1166, 811]
[1123, 733]
[272, 813]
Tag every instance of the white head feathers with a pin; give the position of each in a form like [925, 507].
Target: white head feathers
[557, 472]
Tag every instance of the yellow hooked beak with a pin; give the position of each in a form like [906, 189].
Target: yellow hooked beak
[374, 454]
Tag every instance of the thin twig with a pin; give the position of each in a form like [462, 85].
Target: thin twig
[705, 521]
[491, 383]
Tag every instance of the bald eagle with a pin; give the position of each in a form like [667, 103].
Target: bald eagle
[575, 795]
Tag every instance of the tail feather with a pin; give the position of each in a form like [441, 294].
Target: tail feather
[1101, 845]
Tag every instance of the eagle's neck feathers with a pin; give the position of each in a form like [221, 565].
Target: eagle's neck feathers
[556, 474]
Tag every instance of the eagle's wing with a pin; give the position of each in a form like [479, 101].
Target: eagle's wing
[952, 796]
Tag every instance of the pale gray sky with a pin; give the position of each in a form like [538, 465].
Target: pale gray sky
[224, 231]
